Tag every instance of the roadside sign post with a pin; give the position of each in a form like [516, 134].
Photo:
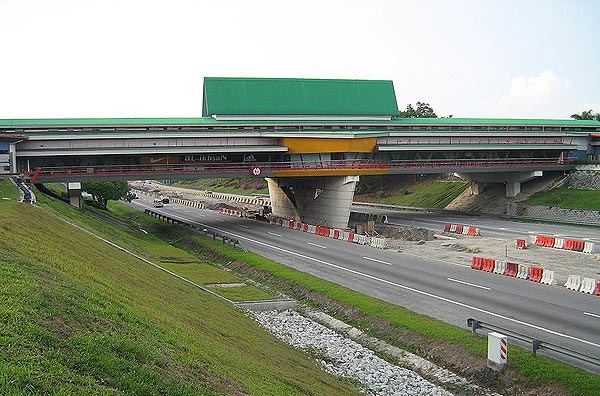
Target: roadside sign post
[497, 351]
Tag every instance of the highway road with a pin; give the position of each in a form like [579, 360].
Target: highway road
[451, 292]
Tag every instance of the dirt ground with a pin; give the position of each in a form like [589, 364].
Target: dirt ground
[462, 249]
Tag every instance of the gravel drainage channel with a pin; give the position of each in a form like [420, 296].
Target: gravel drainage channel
[339, 348]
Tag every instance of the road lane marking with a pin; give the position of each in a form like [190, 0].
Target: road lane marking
[272, 233]
[377, 261]
[222, 221]
[244, 226]
[400, 286]
[591, 314]
[467, 283]
[314, 244]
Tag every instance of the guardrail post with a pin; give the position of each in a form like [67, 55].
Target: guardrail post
[474, 324]
[535, 345]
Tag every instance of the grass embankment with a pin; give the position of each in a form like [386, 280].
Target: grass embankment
[567, 198]
[239, 186]
[81, 317]
[426, 194]
[528, 371]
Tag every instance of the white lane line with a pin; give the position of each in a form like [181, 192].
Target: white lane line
[467, 283]
[502, 228]
[244, 226]
[222, 221]
[591, 314]
[314, 244]
[400, 286]
[272, 233]
[377, 261]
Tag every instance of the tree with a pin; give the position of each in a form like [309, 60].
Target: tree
[586, 115]
[423, 110]
[103, 191]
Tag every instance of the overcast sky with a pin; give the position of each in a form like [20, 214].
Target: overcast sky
[144, 58]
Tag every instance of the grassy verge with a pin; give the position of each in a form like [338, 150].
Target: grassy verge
[8, 192]
[80, 317]
[567, 198]
[525, 370]
[434, 194]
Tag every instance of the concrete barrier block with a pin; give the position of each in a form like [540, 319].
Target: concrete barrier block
[573, 282]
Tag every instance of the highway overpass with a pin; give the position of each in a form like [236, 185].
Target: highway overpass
[311, 139]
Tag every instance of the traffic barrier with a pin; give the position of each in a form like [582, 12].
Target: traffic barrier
[446, 227]
[573, 282]
[559, 243]
[488, 265]
[360, 239]
[548, 278]
[589, 247]
[312, 229]
[579, 245]
[477, 263]
[521, 244]
[523, 272]
[378, 243]
[535, 274]
[511, 269]
[597, 290]
[588, 285]
[569, 244]
[335, 234]
[459, 229]
[345, 236]
[351, 237]
[453, 228]
[539, 240]
[292, 224]
[474, 231]
[465, 230]
[500, 267]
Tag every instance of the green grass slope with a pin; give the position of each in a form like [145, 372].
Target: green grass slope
[426, 193]
[81, 317]
[567, 198]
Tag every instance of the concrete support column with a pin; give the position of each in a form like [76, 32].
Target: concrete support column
[513, 188]
[512, 180]
[12, 152]
[74, 192]
[324, 201]
[477, 187]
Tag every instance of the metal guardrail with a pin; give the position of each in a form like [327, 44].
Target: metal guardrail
[215, 235]
[536, 344]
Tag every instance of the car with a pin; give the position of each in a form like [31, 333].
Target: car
[208, 191]
[165, 200]
[157, 203]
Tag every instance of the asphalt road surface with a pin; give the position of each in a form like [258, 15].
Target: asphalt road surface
[451, 292]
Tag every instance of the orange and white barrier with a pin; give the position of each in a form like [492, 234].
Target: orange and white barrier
[462, 229]
[564, 244]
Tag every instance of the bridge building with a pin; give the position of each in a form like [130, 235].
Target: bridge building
[311, 139]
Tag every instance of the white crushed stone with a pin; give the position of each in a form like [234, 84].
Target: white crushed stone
[346, 358]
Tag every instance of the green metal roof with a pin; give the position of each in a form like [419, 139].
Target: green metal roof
[298, 96]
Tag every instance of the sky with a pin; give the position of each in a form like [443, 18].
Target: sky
[146, 58]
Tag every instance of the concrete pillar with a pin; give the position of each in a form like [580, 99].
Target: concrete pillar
[324, 201]
[282, 200]
[513, 188]
[477, 187]
[512, 180]
[74, 192]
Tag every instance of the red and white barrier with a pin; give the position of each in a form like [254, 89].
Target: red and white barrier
[462, 229]
[565, 244]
